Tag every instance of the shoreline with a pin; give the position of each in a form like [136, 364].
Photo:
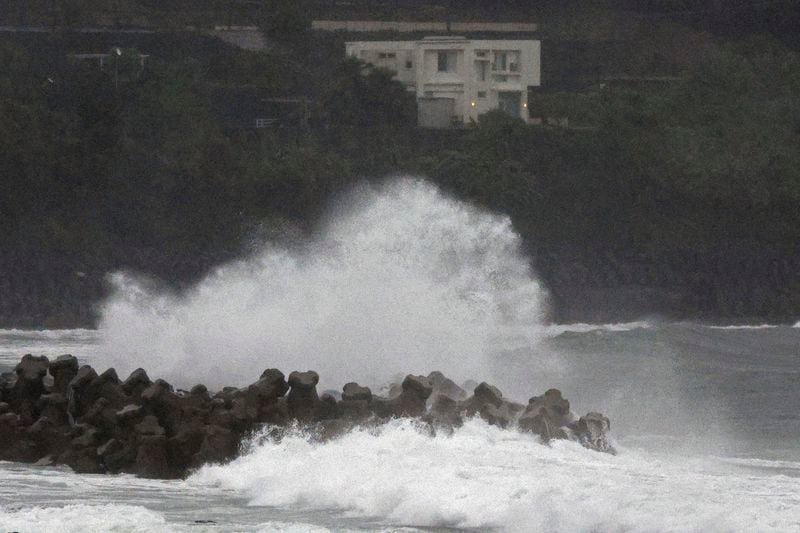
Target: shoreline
[566, 326]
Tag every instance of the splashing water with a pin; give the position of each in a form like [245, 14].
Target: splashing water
[485, 478]
[401, 279]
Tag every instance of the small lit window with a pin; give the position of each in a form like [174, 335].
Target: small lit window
[481, 94]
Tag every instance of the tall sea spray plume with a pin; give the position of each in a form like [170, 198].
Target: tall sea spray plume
[400, 278]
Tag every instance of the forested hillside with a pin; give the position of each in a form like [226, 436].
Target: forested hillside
[678, 199]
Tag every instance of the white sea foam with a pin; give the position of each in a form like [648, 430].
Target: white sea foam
[558, 329]
[82, 518]
[745, 327]
[402, 279]
[14, 343]
[483, 477]
[58, 334]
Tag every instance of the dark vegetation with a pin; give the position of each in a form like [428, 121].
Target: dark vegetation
[674, 191]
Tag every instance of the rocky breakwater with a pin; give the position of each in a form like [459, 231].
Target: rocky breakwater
[59, 413]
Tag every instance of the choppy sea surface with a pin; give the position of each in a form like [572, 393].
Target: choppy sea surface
[707, 421]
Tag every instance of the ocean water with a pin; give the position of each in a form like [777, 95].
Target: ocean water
[401, 279]
[707, 422]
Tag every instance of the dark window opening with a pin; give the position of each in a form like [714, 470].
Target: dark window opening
[442, 62]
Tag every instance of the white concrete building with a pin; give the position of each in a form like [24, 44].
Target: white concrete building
[457, 79]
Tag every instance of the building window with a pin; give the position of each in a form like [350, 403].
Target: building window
[481, 53]
[500, 61]
[481, 94]
[442, 62]
[409, 64]
[264, 122]
[391, 55]
[382, 55]
[481, 67]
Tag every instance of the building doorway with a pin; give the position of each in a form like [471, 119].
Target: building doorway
[509, 102]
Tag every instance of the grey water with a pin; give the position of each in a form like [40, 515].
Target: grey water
[402, 279]
[726, 400]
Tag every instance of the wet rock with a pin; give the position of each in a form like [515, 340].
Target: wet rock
[151, 458]
[110, 447]
[488, 394]
[592, 432]
[201, 391]
[47, 460]
[270, 386]
[353, 391]
[418, 385]
[156, 391]
[130, 412]
[160, 401]
[80, 393]
[412, 401]
[244, 413]
[219, 445]
[63, 369]
[185, 444]
[327, 430]
[227, 395]
[82, 460]
[443, 385]
[444, 411]
[483, 396]
[101, 415]
[555, 407]
[382, 408]
[107, 385]
[222, 417]
[8, 421]
[88, 438]
[436, 378]
[7, 382]
[354, 409]
[149, 427]
[28, 387]
[328, 409]
[136, 383]
[115, 455]
[54, 406]
[496, 416]
[303, 401]
[539, 423]
[32, 369]
[47, 436]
